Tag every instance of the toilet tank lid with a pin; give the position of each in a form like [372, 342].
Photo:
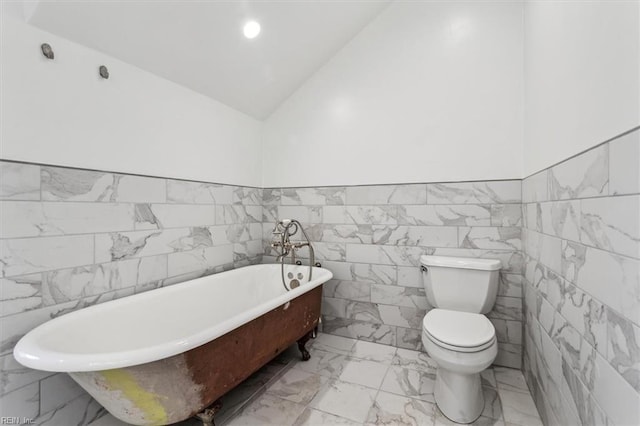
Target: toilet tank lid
[461, 262]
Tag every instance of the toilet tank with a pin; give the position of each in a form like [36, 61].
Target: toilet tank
[461, 283]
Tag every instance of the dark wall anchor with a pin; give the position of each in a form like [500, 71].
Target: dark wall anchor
[47, 51]
[104, 72]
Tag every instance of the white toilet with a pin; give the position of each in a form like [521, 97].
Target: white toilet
[456, 334]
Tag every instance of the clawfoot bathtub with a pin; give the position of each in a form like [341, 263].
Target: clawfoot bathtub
[162, 356]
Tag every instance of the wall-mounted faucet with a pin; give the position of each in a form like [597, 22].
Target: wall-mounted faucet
[282, 232]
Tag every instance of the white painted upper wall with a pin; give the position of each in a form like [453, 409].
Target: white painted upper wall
[200, 44]
[582, 77]
[426, 92]
[61, 112]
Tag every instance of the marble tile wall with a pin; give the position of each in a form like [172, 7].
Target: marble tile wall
[569, 239]
[72, 238]
[581, 240]
[371, 238]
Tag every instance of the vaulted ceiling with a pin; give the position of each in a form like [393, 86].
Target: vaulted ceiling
[200, 44]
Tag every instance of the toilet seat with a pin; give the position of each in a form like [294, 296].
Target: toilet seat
[459, 331]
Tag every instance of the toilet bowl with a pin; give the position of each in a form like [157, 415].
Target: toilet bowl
[456, 334]
[462, 345]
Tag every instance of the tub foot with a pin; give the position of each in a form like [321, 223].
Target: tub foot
[206, 415]
[306, 356]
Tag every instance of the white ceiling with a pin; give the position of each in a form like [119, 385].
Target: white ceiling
[200, 45]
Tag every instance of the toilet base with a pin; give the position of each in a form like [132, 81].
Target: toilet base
[459, 396]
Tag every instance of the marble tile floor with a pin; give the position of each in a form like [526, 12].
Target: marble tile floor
[351, 382]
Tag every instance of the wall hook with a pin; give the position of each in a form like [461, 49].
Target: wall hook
[47, 51]
[104, 72]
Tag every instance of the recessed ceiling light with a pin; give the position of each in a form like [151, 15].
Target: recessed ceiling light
[251, 29]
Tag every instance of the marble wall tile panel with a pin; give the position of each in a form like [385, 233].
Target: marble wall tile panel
[269, 217]
[510, 285]
[75, 283]
[201, 259]
[313, 196]
[544, 248]
[402, 316]
[485, 237]
[19, 181]
[339, 233]
[572, 260]
[410, 276]
[587, 409]
[560, 219]
[547, 317]
[576, 352]
[582, 355]
[126, 245]
[325, 251]
[83, 410]
[509, 355]
[586, 315]
[234, 214]
[28, 255]
[535, 188]
[158, 216]
[612, 224]
[507, 308]
[614, 280]
[224, 234]
[247, 196]
[357, 329]
[56, 391]
[19, 294]
[343, 308]
[305, 214]
[271, 196]
[506, 215]
[246, 253]
[552, 404]
[22, 403]
[62, 184]
[615, 395]
[28, 219]
[624, 173]
[137, 189]
[14, 375]
[385, 255]
[187, 192]
[493, 192]
[375, 274]
[449, 215]
[360, 215]
[362, 272]
[351, 290]
[386, 194]
[421, 236]
[508, 331]
[623, 348]
[586, 175]
[399, 296]
[531, 217]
